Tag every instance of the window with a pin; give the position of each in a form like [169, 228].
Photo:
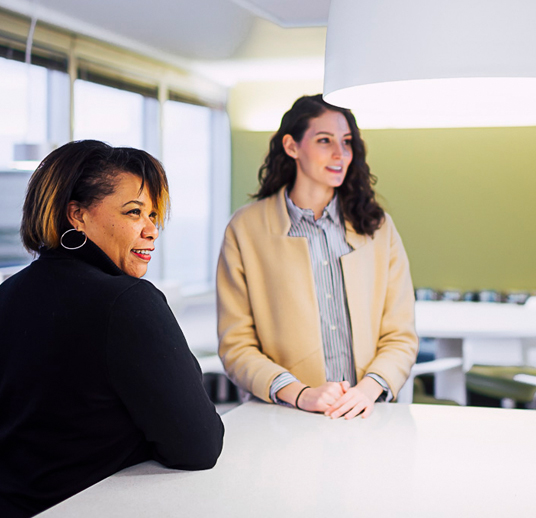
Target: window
[196, 154]
[23, 107]
[116, 111]
[34, 118]
[34, 109]
[187, 140]
[119, 106]
[108, 114]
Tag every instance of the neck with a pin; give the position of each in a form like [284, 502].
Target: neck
[315, 199]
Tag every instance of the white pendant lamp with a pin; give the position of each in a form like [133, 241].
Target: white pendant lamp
[433, 63]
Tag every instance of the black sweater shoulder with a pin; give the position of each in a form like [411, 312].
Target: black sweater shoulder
[96, 376]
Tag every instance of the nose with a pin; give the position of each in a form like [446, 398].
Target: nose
[150, 230]
[339, 149]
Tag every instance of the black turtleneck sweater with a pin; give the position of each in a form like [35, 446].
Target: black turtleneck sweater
[95, 376]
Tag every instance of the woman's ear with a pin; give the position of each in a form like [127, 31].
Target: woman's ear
[290, 146]
[75, 215]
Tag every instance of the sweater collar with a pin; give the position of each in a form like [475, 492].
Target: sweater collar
[90, 253]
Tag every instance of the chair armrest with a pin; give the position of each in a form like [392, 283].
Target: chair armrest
[440, 365]
[530, 303]
[405, 395]
[210, 364]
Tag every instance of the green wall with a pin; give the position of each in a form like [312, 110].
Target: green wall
[464, 200]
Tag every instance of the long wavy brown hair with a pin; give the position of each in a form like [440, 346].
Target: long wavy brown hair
[356, 195]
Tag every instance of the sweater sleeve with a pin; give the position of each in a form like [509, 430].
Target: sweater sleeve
[239, 346]
[160, 382]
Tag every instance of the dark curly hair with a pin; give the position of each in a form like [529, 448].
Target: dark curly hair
[356, 195]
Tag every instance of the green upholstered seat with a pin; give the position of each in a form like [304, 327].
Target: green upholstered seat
[421, 397]
[498, 382]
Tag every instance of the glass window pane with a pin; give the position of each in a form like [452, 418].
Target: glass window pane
[187, 158]
[108, 114]
[12, 191]
[34, 104]
[23, 107]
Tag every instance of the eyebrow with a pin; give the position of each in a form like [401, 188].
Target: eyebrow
[137, 202]
[331, 134]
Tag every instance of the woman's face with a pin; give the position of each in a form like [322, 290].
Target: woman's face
[324, 153]
[122, 224]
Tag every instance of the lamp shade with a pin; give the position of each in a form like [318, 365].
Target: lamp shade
[421, 63]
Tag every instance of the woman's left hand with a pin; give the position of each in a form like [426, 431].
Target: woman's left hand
[356, 400]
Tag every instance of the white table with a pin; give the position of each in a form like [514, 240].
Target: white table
[404, 461]
[478, 332]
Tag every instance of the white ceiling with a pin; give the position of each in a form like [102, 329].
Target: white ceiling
[191, 29]
[289, 13]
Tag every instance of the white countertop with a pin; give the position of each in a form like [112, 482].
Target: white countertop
[404, 461]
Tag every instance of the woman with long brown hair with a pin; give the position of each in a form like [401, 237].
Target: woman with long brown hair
[315, 300]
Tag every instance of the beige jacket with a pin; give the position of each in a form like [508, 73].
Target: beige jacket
[268, 317]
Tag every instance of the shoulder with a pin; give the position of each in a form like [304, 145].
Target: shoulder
[383, 238]
[256, 218]
[141, 318]
[388, 224]
[386, 229]
[108, 288]
[141, 314]
[101, 288]
[133, 293]
[253, 211]
[388, 235]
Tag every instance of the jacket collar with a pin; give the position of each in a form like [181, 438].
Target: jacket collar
[90, 253]
[354, 239]
[281, 223]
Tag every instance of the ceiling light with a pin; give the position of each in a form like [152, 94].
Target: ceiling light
[432, 63]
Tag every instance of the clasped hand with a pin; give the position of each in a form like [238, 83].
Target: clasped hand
[337, 399]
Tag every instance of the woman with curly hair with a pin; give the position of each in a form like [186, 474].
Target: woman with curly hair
[315, 299]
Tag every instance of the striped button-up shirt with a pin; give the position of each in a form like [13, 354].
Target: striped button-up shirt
[326, 237]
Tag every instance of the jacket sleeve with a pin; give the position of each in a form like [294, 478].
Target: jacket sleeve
[239, 346]
[160, 382]
[398, 343]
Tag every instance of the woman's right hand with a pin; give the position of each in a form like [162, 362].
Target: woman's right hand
[319, 399]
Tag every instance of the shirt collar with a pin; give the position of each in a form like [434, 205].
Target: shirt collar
[297, 214]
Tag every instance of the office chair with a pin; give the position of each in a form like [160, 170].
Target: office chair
[413, 390]
[511, 385]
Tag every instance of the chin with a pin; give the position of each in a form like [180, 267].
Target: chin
[335, 185]
[137, 272]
